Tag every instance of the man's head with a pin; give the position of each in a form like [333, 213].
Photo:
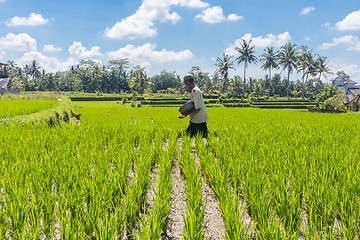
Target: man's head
[188, 80]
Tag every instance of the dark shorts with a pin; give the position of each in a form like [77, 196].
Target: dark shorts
[197, 128]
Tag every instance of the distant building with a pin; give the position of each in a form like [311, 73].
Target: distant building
[347, 86]
[4, 80]
[4, 83]
[354, 103]
[3, 76]
[3, 67]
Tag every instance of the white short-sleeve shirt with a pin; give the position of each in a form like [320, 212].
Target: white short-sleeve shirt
[197, 97]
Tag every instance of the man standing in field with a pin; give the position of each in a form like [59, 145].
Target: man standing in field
[198, 116]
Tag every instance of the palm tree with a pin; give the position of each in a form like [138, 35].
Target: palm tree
[119, 65]
[96, 74]
[50, 82]
[306, 65]
[224, 64]
[216, 80]
[251, 84]
[301, 65]
[269, 61]
[43, 73]
[118, 73]
[73, 69]
[236, 85]
[138, 79]
[11, 65]
[288, 60]
[34, 69]
[321, 66]
[26, 69]
[247, 56]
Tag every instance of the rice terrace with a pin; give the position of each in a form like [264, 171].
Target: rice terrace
[128, 171]
[179, 120]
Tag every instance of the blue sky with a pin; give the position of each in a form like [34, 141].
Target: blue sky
[176, 34]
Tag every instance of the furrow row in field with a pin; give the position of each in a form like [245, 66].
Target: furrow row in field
[215, 226]
[154, 222]
[292, 188]
[195, 204]
[275, 175]
[217, 174]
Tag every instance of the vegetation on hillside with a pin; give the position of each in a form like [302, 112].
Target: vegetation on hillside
[119, 76]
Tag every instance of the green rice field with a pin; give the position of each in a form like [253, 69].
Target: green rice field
[12, 108]
[275, 174]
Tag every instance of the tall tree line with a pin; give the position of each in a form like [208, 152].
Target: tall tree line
[289, 58]
[118, 76]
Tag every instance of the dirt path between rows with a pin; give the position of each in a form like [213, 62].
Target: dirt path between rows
[215, 228]
[178, 205]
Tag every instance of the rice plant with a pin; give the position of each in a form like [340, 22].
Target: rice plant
[195, 205]
[11, 108]
[294, 174]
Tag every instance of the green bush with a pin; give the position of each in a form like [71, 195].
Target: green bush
[100, 98]
[334, 103]
[282, 103]
[237, 105]
[285, 106]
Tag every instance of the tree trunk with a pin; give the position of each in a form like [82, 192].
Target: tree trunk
[320, 76]
[244, 77]
[288, 85]
[226, 82]
[307, 76]
[269, 82]
[303, 87]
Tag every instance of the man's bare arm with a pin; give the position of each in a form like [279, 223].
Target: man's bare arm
[192, 111]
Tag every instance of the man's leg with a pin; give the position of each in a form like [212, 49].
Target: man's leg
[197, 128]
[204, 130]
[191, 129]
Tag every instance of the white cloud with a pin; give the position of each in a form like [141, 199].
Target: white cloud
[350, 22]
[33, 20]
[212, 15]
[189, 3]
[145, 54]
[307, 38]
[50, 64]
[325, 25]
[141, 23]
[51, 48]
[307, 10]
[2, 0]
[233, 17]
[2, 55]
[20, 42]
[132, 27]
[261, 42]
[81, 52]
[216, 15]
[269, 40]
[355, 46]
[351, 41]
